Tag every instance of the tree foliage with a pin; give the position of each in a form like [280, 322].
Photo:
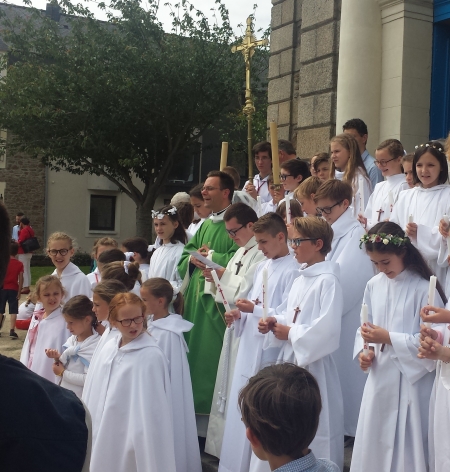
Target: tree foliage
[121, 98]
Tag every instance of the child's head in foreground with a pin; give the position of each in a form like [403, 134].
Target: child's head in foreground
[271, 235]
[280, 407]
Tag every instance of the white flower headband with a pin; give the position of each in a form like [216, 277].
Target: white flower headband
[429, 145]
[158, 214]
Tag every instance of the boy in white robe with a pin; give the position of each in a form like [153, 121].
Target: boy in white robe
[259, 186]
[308, 332]
[333, 199]
[271, 236]
[236, 281]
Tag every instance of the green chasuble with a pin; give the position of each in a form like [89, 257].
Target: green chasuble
[205, 338]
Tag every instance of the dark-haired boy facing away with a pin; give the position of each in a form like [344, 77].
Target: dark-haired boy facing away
[10, 291]
[280, 408]
[271, 236]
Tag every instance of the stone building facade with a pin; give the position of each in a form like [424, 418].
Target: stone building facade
[333, 60]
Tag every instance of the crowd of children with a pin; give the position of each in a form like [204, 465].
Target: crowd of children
[282, 281]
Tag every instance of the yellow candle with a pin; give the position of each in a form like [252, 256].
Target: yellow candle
[224, 155]
[275, 157]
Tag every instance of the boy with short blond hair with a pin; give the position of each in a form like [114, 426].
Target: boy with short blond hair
[271, 236]
[280, 409]
[333, 200]
[304, 194]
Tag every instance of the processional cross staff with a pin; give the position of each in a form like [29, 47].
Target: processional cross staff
[247, 47]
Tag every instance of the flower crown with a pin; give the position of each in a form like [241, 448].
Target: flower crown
[429, 145]
[160, 214]
[383, 238]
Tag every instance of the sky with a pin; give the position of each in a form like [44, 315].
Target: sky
[238, 11]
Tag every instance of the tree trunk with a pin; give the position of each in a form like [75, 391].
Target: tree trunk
[144, 220]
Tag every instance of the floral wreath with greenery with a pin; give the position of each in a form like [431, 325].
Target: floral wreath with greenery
[383, 238]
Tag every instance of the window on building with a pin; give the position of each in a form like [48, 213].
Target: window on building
[102, 216]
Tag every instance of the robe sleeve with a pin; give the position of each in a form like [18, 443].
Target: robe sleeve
[428, 241]
[314, 341]
[75, 378]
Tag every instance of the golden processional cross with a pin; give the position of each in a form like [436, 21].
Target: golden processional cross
[248, 45]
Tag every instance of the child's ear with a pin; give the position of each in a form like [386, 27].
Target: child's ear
[346, 203]
[254, 441]
[312, 196]
[318, 245]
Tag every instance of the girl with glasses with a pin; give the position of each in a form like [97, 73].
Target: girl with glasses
[381, 203]
[347, 165]
[130, 400]
[60, 249]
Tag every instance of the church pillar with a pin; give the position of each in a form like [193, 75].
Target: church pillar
[359, 70]
[407, 32]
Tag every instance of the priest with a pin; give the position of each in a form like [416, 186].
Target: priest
[236, 281]
[205, 339]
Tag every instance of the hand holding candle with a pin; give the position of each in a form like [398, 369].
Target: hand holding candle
[411, 219]
[265, 277]
[364, 321]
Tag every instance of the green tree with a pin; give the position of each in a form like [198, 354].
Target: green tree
[121, 98]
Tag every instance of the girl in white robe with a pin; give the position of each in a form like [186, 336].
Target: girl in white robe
[72, 365]
[308, 331]
[47, 328]
[426, 204]
[392, 433]
[131, 401]
[348, 166]
[165, 258]
[126, 272]
[60, 248]
[167, 329]
[103, 293]
[101, 245]
[381, 203]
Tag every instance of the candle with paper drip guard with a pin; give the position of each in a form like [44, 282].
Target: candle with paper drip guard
[275, 157]
[265, 277]
[431, 294]
[288, 208]
[364, 321]
[220, 290]
[447, 221]
[224, 155]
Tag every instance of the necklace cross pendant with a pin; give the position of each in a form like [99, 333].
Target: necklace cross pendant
[379, 214]
[238, 266]
[257, 302]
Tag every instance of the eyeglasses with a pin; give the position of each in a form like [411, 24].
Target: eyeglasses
[137, 321]
[55, 252]
[383, 163]
[233, 232]
[327, 210]
[285, 176]
[210, 189]
[297, 241]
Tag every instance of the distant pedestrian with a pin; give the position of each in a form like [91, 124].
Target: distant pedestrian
[25, 232]
[16, 228]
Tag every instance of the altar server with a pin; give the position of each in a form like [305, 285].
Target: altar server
[426, 204]
[47, 328]
[304, 194]
[165, 258]
[333, 199]
[71, 366]
[271, 236]
[131, 401]
[60, 248]
[347, 165]
[167, 329]
[381, 203]
[236, 281]
[396, 397]
[259, 186]
[308, 328]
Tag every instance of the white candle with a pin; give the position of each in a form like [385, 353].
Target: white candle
[411, 219]
[224, 155]
[361, 195]
[288, 208]
[219, 289]
[431, 295]
[447, 221]
[364, 320]
[391, 199]
[265, 288]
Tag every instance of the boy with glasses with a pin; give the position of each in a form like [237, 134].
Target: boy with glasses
[271, 236]
[292, 173]
[236, 281]
[333, 199]
[308, 330]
